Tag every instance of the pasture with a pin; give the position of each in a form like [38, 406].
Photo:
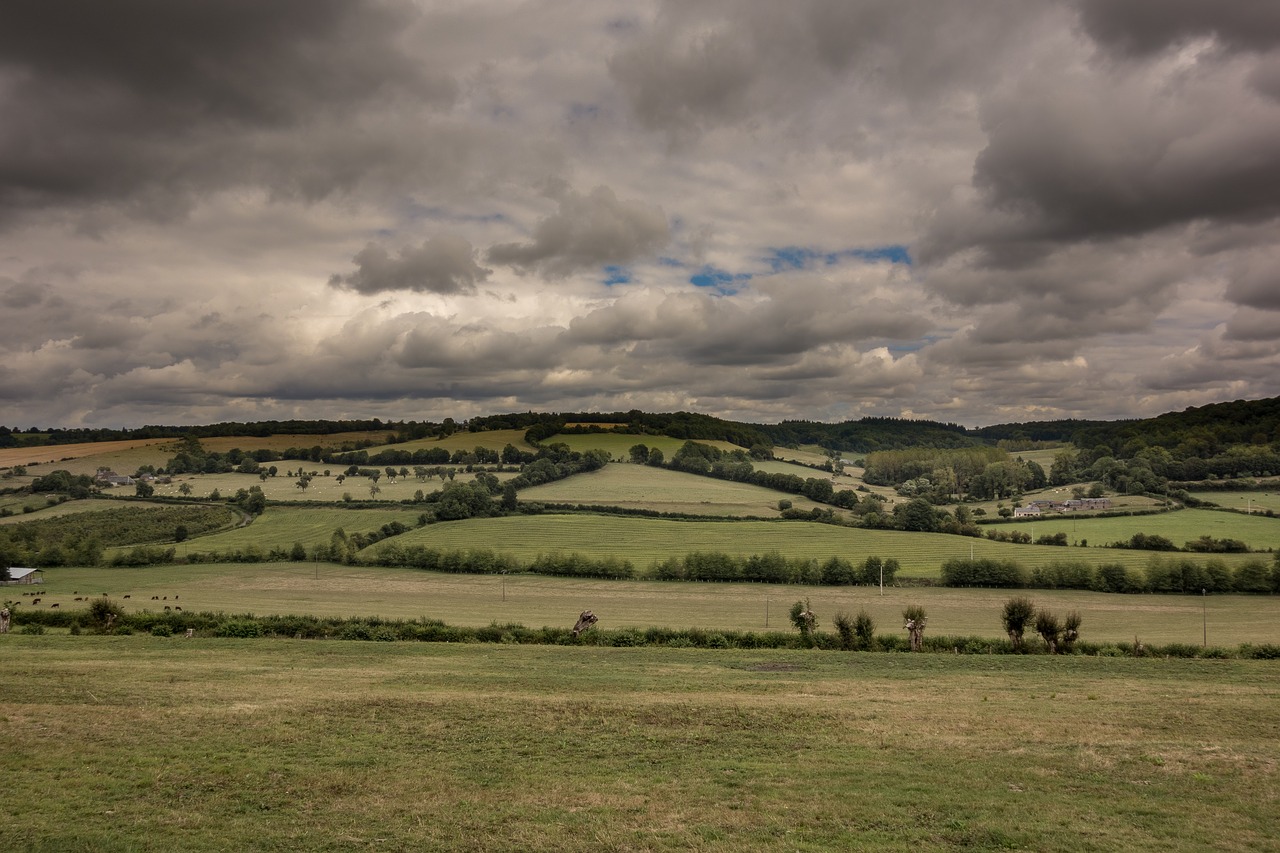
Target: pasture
[150, 744]
[328, 589]
[320, 489]
[55, 453]
[1257, 531]
[645, 540]
[1243, 501]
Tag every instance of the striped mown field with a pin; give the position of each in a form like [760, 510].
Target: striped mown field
[281, 526]
[643, 487]
[1244, 501]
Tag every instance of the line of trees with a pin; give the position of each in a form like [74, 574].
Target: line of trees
[1161, 574]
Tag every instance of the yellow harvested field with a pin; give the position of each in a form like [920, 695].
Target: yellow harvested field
[11, 456]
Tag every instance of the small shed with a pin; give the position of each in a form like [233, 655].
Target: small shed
[18, 574]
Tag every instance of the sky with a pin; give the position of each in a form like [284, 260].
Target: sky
[978, 212]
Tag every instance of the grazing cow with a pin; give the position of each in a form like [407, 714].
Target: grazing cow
[167, 607]
[155, 598]
[79, 598]
[175, 598]
[128, 596]
[176, 607]
[35, 601]
[55, 604]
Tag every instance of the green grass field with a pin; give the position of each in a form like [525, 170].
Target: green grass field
[70, 508]
[281, 526]
[644, 540]
[643, 487]
[148, 744]
[326, 589]
[1257, 531]
[1243, 501]
[491, 440]
[618, 445]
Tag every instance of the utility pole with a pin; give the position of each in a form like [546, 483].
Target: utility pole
[1204, 616]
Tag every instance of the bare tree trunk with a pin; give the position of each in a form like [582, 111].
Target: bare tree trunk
[585, 621]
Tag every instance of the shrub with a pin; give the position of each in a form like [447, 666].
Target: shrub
[1017, 614]
[103, 613]
[238, 628]
[33, 628]
[864, 628]
[844, 630]
[161, 629]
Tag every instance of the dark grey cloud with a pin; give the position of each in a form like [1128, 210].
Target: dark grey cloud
[588, 231]
[146, 102]
[445, 264]
[1142, 27]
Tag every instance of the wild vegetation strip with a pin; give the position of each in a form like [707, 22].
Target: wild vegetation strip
[1257, 531]
[140, 743]
[327, 589]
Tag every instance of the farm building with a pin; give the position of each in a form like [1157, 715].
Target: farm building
[19, 575]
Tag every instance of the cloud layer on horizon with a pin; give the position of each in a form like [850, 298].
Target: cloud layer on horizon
[1000, 211]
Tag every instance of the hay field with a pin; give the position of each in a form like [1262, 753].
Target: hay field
[148, 744]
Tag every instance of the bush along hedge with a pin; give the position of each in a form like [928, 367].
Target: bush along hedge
[174, 625]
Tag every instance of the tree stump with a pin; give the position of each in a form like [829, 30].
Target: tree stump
[585, 621]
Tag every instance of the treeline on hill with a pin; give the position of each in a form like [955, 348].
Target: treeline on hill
[870, 434]
[686, 425]
[1161, 574]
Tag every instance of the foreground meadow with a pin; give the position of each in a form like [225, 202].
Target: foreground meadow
[147, 744]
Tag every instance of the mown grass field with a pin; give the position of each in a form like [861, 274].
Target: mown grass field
[490, 440]
[327, 589]
[281, 526]
[1256, 531]
[148, 744]
[643, 487]
[644, 540]
[618, 445]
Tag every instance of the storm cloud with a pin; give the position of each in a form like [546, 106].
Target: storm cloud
[990, 211]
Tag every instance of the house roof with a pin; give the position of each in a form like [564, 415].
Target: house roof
[18, 572]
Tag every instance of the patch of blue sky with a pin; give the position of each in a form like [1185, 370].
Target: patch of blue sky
[800, 257]
[718, 279]
[614, 274]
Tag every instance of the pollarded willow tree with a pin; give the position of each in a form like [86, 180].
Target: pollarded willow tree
[1017, 615]
[914, 619]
